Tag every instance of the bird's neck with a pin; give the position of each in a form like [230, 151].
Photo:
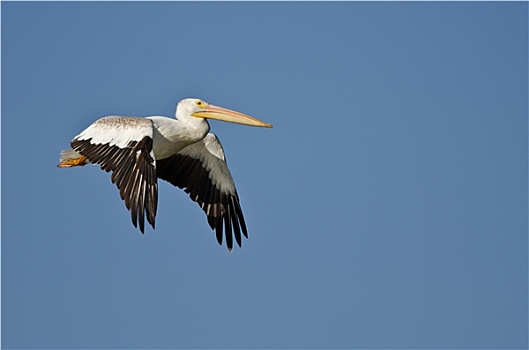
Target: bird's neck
[192, 132]
[171, 135]
[194, 128]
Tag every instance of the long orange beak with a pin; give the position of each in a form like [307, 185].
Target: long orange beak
[228, 115]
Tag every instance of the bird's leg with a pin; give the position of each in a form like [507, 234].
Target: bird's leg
[68, 163]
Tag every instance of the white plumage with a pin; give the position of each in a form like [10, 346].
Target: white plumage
[181, 151]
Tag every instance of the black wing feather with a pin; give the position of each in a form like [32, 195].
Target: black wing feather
[133, 172]
[223, 210]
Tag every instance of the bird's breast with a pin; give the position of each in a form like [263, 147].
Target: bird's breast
[170, 136]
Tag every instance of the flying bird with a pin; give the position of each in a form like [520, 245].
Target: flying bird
[138, 151]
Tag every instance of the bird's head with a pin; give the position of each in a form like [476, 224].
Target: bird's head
[200, 109]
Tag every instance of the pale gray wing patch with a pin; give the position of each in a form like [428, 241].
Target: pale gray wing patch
[124, 146]
[201, 171]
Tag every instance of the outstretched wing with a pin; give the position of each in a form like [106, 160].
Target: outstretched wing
[123, 145]
[201, 170]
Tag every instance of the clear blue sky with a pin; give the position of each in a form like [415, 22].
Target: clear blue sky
[387, 208]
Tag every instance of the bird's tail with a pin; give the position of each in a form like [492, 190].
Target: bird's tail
[70, 158]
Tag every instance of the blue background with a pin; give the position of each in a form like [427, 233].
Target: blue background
[387, 208]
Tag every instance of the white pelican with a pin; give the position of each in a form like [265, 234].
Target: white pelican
[181, 151]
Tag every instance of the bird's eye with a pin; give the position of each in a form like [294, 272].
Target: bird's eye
[200, 103]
